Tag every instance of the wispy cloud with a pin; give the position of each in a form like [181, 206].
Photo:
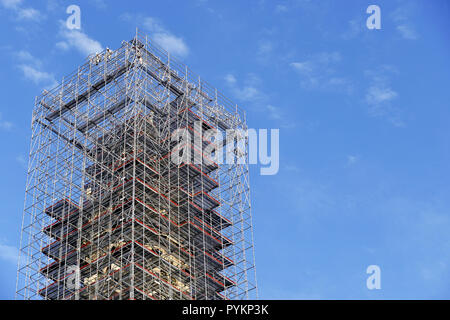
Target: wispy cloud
[230, 79]
[279, 116]
[264, 51]
[249, 90]
[166, 39]
[9, 254]
[423, 226]
[53, 5]
[294, 168]
[37, 76]
[280, 8]
[352, 159]
[380, 95]
[101, 4]
[21, 12]
[10, 4]
[4, 124]
[78, 40]
[403, 22]
[31, 68]
[160, 34]
[207, 6]
[26, 56]
[319, 72]
[407, 32]
[355, 28]
[21, 160]
[274, 112]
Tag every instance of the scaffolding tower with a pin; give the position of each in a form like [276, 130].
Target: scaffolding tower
[108, 214]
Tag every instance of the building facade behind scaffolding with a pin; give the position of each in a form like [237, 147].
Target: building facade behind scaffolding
[108, 214]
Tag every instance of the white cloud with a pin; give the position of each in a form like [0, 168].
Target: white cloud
[277, 114]
[319, 72]
[77, 39]
[10, 4]
[160, 34]
[304, 68]
[264, 51]
[53, 5]
[153, 25]
[230, 79]
[281, 8]
[380, 95]
[352, 159]
[37, 76]
[274, 112]
[101, 4]
[163, 37]
[265, 47]
[21, 12]
[355, 27]
[402, 19]
[62, 45]
[172, 44]
[21, 160]
[31, 68]
[29, 13]
[407, 32]
[249, 91]
[292, 168]
[9, 253]
[26, 57]
[5, 125]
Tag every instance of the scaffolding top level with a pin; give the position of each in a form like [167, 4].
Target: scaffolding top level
[100, 74]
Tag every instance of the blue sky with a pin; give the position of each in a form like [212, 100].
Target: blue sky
[363, 118]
